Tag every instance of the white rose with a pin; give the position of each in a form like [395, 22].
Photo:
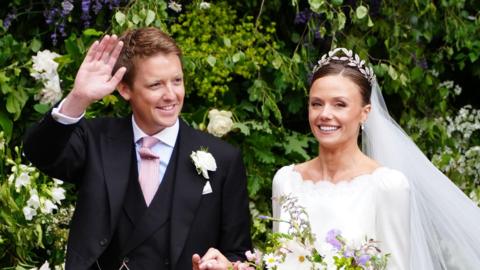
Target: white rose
[175, 6]
[220, 122]
[204, 162]
[51, 93]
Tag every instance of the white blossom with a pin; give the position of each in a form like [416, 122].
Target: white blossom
[34, 201]
[58, 194]
[296, 257]
[220, 122]
[29, 212]
[44, 62]
[204, 5]
[48, 206]
[271, 260]
[22, 180]
[2, 142]
[51, 93]
[175, 6]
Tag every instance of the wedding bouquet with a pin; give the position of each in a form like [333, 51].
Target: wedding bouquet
[298, 249]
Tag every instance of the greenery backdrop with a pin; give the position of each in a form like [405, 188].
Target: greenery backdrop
[252, 58]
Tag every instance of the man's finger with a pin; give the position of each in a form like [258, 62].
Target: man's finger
[101, 48]
[109, 47]
[195, 262]
[114, 55]
[92, 51]
[117, 77]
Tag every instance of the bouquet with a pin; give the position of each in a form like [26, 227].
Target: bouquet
[298, 249]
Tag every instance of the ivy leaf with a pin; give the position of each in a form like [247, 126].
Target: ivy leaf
[120, 18]
[136, 19]
[150, 17]
[6, 124]
[277, 62]
[41, 108]
[392, 72]
[361, 12]
[337, 2]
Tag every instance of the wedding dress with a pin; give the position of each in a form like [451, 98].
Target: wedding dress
[374, 205]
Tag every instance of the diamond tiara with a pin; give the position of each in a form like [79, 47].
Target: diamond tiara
[346, 56]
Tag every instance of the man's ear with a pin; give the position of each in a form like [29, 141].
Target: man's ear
[124, 91]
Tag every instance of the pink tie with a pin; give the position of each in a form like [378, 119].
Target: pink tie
[149, 176]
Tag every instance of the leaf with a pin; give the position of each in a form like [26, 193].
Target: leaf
[277, 62]
[227, 42]
[35, 45]
[136, 19]
[361, 12]
[7, 124]
[120, 18]
[41, 108]
[90, 32]
[150, 17]
[370, 22]
[392, 72]
[337, 2]
[211, 60]
[244, 129]
[296, 144]
[238, 56]
[315, 5]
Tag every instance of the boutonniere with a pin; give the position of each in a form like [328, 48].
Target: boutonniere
[204, 162]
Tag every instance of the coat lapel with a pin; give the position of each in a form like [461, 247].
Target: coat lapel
[187, 193]
[116, 150]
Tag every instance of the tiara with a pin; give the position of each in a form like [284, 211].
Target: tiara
[346, 56]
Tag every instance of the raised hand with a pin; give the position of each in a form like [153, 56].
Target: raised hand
[93, 80]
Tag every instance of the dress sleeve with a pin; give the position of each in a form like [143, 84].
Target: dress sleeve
[393, 219]
[277, 191]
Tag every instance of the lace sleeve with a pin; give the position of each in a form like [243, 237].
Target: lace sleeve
[393, 219]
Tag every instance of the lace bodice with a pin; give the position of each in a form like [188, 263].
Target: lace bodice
[374, 205]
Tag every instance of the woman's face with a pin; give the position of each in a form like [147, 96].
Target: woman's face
[335, 110]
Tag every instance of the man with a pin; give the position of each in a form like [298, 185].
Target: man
[141, 206]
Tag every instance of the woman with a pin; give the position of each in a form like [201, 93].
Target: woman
[392, 193]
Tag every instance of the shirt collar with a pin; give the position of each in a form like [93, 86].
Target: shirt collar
[167, 136]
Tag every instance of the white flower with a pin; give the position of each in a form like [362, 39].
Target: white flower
[203, 162]
[22, 180]
[58, 194]
[45, 266]
[296, 257]
[220, 122]
[43, 63]
[204, 5]
[57, 181]
[51, 93]
[34, 201]
[271, 260]
[67, 6]
[29, 212]
[48, 207]
[175, 6]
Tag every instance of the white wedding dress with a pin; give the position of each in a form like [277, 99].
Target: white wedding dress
[375, 205]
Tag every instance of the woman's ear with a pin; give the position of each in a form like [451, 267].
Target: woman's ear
[124, 91]
[365, 111]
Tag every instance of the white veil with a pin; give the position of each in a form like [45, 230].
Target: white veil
[445, 223]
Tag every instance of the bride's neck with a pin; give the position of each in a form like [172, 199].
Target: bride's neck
[339, 163]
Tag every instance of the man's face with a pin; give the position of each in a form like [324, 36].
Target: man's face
[157, 92]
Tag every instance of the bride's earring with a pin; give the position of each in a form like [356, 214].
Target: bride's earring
[362, 126]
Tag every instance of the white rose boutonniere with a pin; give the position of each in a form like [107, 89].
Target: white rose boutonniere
[220, 122]
[204, 162]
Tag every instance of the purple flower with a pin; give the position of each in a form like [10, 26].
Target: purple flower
[303, 16]
[332, 238]
[97, 7]
[263, 217]
[8, 20]
[348, 253]
[363, 259]
[86, 12]
[67, 7]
